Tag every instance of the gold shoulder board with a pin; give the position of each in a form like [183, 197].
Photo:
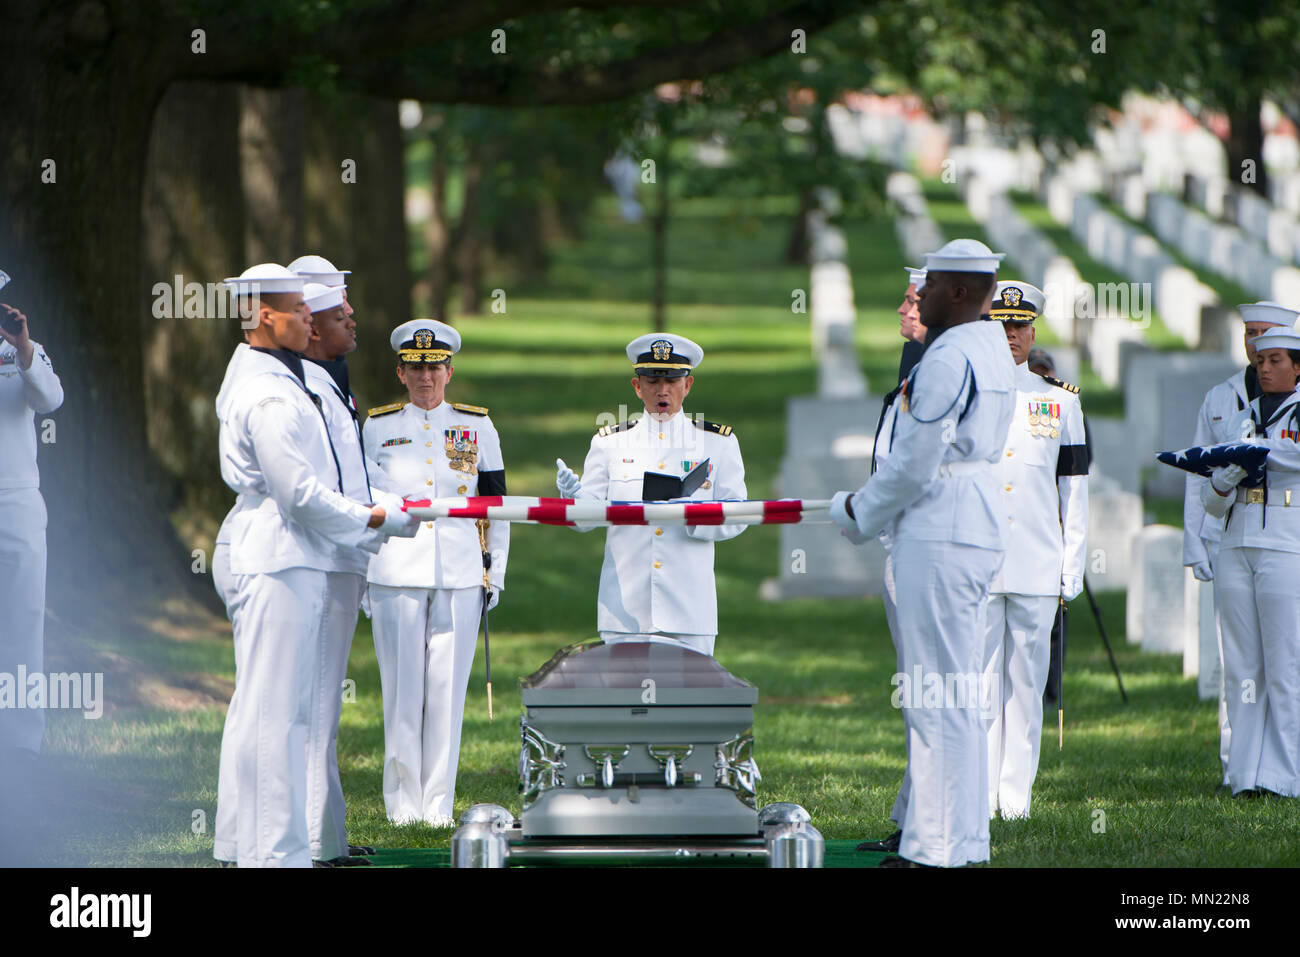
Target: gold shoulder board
[471, 409]
[713, 427]
[1063, 385]
[387, 409]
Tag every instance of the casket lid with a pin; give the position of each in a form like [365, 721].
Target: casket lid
[594, 673]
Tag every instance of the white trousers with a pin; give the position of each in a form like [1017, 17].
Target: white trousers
[22, 608]
[890, 596]
[1225, 730]
[1017, 655]
[1259, 611]
[941, 627]
[326, 811]
[701, 643]
[425, 641]
[277, 621]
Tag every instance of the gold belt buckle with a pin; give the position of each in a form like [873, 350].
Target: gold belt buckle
[1254, 496]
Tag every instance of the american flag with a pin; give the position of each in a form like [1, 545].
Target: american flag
[1204, 459]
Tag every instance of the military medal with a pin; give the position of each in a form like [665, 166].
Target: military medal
[461, 446]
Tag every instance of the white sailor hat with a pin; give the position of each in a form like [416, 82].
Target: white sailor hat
[963, 255]
[1016, 301]
[265, 278]
[1270, 312]
[664, 355]
[319, 269]
[915, 276]
[320, 297]
[425, 340]
[1279, 337]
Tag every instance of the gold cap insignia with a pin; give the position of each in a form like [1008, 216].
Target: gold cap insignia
[423, 339]
[662, 350]
[1011, 297]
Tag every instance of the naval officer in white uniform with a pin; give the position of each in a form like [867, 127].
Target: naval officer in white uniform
[1043, 481]
[937, 495]
[1214, 422]
[1256, 570]
[28, 387]
[290, 517]
[426, 595]
[656, 583]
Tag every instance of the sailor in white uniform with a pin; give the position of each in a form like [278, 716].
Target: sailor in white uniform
[656, 583]
[1043, 478]
[290, 518]
[937, 496]
[1256, 568]
[28, 387]
[1201, 532]
[426, 595]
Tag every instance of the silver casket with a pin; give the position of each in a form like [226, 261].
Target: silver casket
[637, 739]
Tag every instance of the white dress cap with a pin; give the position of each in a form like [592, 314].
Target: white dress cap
[319, 269]
[1017, 301]
[1279, 337]
[425, 340]
[664, 354]
[915, 276]
[265, 278]
[320, 297]
[963, 255]
[1270, 312]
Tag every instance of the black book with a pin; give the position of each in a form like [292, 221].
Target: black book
[658, 487]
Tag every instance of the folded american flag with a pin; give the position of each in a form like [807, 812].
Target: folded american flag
[1204, 459]
[566, 511]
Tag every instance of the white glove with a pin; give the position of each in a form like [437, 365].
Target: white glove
[1225, 479]
[840, 516]
[1202, 572]
[494, 597]
[399, 524]
[566, 480]
[1070, 587]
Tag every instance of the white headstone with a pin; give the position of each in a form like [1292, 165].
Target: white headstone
[1112, 452]
[1154, 614]
[1114, 520]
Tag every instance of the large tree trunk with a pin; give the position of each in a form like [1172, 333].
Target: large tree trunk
[469, 235]
[439, 229]
[193, 229]
[1246, 143]
[271, 160]
[73, 247]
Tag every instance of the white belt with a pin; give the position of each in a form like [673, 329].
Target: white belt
[1281, 497]
[949, 469]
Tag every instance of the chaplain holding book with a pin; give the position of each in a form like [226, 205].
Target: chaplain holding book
[656, 583]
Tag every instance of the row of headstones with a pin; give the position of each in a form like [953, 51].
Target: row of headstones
[887, 137]
[1168, 611]
[1278, 229]
[832, 311]
[917, 233]
[1222, 248]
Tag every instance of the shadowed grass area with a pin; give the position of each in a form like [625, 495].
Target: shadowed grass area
[827, 735]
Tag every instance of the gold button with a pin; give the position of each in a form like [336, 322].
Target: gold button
[426, 428]
[1006, 488]
[659, 531]
[661, 435]
[428, 461]
[661, 464]
[428, 524]
[659, 564]
[1010, 453]
[428, 445]
[461, 490]
[430, 482]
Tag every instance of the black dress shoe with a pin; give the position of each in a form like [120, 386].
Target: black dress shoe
[901, 862]
[342, 862]
[888, 845]
[360, 850]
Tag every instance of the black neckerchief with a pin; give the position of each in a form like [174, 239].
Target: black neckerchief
[338, 371]
[1252, 384]
[291, 360]
[1268, 405]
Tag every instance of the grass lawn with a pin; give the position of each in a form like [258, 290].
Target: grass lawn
[1135, 784]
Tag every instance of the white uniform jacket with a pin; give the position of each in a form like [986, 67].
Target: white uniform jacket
[276, 456]
[24, 393]
[345, 434]
[444, 452]
[937, 483]
[1246, 525]
[660, 579]
[1043, 483]
[1214, 426]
